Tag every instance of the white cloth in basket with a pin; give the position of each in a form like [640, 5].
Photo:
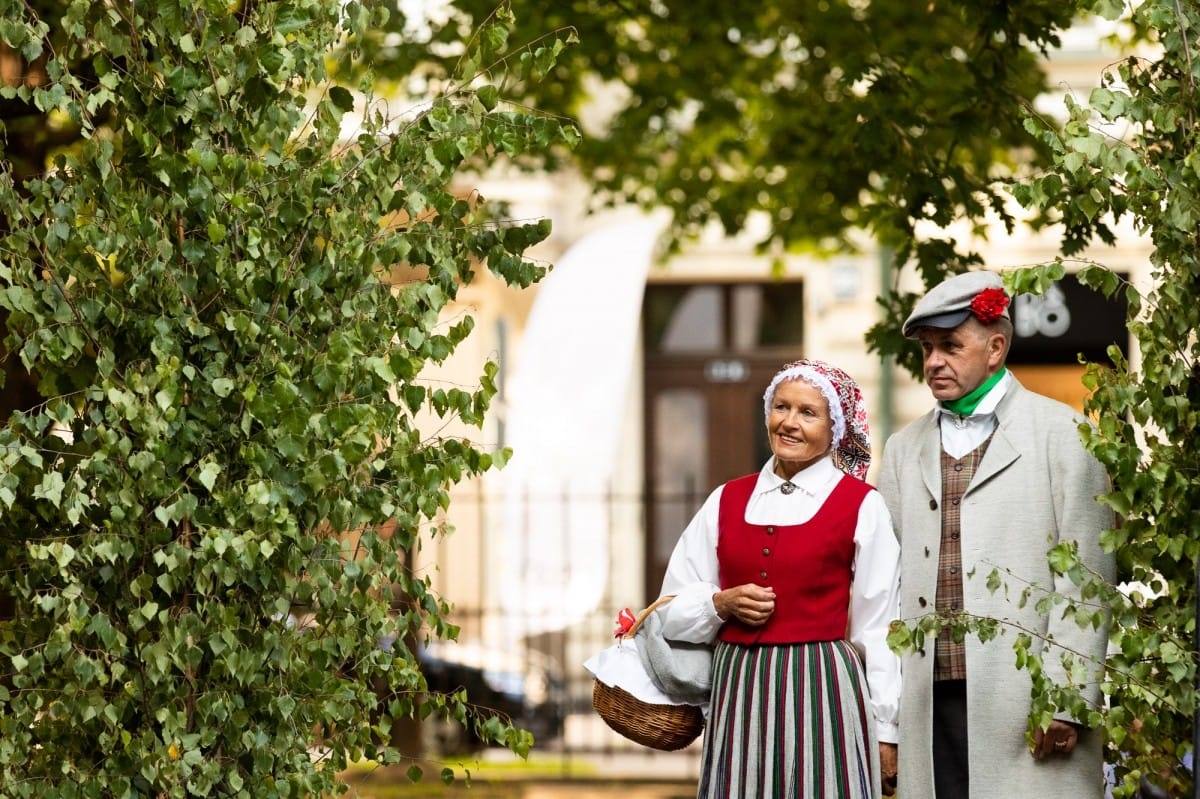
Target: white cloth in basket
[621, 667]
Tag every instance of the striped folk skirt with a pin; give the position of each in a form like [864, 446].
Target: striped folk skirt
[790, 721]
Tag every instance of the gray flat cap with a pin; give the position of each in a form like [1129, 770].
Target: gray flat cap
[948, 304]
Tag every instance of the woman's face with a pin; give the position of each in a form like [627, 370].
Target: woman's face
[799, 427]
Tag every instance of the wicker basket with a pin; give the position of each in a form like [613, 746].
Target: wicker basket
[663, 727]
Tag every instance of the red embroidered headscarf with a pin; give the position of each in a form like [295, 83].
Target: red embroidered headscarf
[848, 412]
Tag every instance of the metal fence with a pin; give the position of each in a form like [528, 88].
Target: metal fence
[466, 570]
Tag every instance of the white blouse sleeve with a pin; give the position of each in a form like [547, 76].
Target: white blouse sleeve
[874, 603]
[693, 577]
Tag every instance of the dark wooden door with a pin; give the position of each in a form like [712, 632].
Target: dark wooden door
[709, 351]
[704, 425]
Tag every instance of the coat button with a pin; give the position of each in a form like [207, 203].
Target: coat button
[770, 531]
[921, 601]
[933, 504]
[762, 575]
[766, 551]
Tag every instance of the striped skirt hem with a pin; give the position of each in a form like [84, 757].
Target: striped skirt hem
[789, 720]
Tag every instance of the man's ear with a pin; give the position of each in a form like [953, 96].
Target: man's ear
[997, 348]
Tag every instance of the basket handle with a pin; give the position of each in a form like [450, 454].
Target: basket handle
[662, 600]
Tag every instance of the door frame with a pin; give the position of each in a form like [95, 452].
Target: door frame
[732, 384]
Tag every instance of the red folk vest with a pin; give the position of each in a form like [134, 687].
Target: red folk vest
[808, 565]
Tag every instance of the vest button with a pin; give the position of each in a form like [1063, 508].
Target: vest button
[933, 504]
[954, 536]
[955, 500]
[958, 467]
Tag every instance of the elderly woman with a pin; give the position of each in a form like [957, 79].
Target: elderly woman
[793, 572]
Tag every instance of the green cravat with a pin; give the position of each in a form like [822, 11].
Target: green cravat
[966, 405]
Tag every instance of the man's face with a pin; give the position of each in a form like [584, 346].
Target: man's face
[957, 361]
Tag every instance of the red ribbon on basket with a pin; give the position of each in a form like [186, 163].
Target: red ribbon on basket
[625, 620]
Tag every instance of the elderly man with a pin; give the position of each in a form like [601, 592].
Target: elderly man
[991, 479]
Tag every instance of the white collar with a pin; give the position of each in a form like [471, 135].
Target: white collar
[808, 481]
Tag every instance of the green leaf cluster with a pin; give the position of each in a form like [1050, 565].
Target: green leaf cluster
[816, 119]
[1129, 154]
[227, 279]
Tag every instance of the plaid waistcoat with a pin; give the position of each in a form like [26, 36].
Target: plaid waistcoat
[950, 656]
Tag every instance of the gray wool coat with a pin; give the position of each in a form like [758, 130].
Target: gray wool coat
[1034, 488]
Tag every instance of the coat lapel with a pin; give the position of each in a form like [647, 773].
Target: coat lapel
[931, 460]
[999, 456]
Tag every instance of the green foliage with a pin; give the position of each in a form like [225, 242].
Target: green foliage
[821, 118]
[1146, 412]
[227, 307]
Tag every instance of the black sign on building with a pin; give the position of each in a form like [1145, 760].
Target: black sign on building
[1068, 321]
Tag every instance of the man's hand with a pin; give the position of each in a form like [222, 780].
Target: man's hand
[888, 758]
[1057, 739]
[750, 604]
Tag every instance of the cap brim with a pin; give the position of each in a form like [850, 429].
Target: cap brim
[942, 321]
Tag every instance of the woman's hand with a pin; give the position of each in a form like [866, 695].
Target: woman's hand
[750, 604]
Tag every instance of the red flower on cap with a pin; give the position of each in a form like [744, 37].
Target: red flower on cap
[989, 305]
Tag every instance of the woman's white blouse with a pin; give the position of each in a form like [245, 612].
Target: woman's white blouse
[693, 577]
